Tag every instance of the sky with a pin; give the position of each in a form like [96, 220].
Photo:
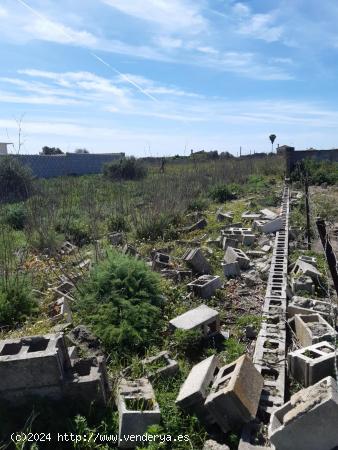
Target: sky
[162, 77]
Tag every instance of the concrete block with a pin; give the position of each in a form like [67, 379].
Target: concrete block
[309, 420]
[306, 269]
[233, 400]
[268, 214]
[247, 215]
[161, 261]
[248, 239]
[305, 305]
[137, 409]
[202, 318]
[195, 389]
[310, 364]
[312, 328]
[229, 241]
[116, 238]
[213, 445]
[302, 284]
[231, 269]
[67, 248]
[60, 310]
[205, 286]
[273, 225]
[199, 225]
[161, 364]
[237, 255]
[224, 216]
[197, 261]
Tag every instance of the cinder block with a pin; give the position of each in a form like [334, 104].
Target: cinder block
[304, 305]
[312, 328]
[205, 286]
[309, 420]
[237, 255]
[195, 389]
[310, 364]
[197, 261]
[231, 269]
[232, 400]
[201, 318]
[137, 409]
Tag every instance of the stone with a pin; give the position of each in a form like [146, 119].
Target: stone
[309, 365]
[205, 286]
[236, 255]
[138, 409]
[40, 366]
[195, 389]
[312, 328]
[202, 318]
[210, 444]
[116, 238]
[231, 269]
[81, 337]
[197, 261]
[233, 400]
[250, 332]
[309, 420]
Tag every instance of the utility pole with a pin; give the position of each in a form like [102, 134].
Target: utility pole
[330, 256]
[307, 207]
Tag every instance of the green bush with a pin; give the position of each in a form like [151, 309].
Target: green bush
[16, 301]
[153, 227]
[197, 204]
[224, 192]
[188, 342]
[76, 231]
[121, 303]
[117, 222]
[16, 216]
[16, 181]
[125, 169]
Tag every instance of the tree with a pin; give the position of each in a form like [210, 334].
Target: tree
[16, 180]
[51, 151]
[81, 151]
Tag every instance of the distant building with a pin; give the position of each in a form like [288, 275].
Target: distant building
[3, 147]
[292, 156]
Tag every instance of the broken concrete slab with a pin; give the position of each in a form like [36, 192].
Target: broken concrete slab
[309, 365]
[232, 400]
[309, 420]
[237, 255]
[197, 261]
[161, 261]
[138, 409]
[250, 216]
[205, 286]
[202, 318]
[195, 389]
[312, 328]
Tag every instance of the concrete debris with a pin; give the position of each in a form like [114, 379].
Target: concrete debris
[40, 366]
[201, 318]
[247, 215]
[309, 420]
[312, 328]
[302, 283]
[266, 248]
[224, 217]
[81, 337]
[214, 445]
[161, 261]
[177, 275]
[197, 261]
[232, 400]
[138, 409]
[205, 286]
[116, 238]
[130, 250]
[229, 242]
[199, 225]
[67, 248]
[60, 310]
[268, 214]
[306, 269]
[305, 305]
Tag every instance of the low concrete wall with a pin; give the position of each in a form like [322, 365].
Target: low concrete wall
[48, 166]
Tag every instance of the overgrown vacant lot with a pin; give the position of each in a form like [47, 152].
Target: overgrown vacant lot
[125, 303]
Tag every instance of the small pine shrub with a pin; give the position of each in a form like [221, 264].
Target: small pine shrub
[125, 169]
[121, 302]
[16, 180]
[222, 193]
[15, 216]
[16, 301]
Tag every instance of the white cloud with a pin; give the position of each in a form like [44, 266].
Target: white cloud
[180, 15]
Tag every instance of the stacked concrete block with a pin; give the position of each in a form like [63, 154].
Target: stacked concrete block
[237, 255]
[137, 409]
[310, 364]
[231, 269]
[232, 400]
[196, 387]
[312, 328]
[40, 366]
[205, 286]
[309, 420]
[201, 318]
[168, 366]
[197, 261]
[305, 305]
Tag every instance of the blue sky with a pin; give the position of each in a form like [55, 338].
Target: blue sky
[153, 77]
